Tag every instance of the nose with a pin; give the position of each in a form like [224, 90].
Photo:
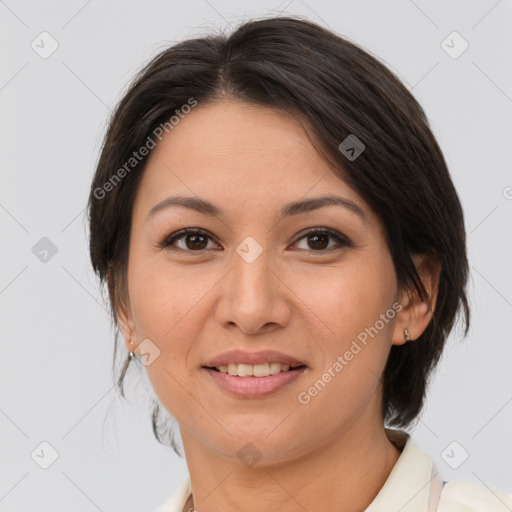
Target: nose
[253, 296]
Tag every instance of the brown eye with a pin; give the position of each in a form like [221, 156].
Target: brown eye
[195, 240]
[317, 240]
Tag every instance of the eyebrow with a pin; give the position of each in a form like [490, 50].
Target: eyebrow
[290, 209]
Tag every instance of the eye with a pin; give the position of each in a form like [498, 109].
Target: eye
[317, 239]
[194, 239]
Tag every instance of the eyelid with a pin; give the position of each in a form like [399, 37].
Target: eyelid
[166, 243]
[334, 234]
[341, 239]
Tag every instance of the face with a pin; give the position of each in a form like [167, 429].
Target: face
[316, 284]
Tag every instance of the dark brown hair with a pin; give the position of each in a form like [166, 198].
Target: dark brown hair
[337, 89]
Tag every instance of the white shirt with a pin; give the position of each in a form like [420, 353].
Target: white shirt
[412, 486]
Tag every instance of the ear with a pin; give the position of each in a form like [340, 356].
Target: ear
[416, 313]
[126, 326]
[123, 311]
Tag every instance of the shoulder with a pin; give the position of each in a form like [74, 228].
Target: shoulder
[466, 496]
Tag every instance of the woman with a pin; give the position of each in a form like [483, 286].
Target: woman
[285, 255]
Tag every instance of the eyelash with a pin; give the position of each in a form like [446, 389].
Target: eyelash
[340, 239]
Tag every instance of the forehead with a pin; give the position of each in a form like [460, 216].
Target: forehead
[236, 136]
[239, 154]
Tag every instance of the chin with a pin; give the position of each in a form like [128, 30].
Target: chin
[258, 445]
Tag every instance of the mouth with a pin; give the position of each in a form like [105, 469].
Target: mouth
[230, 382]
[254, 371]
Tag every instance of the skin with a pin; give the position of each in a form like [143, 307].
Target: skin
[194, 303]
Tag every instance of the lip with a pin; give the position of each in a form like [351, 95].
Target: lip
[260, 357]
[254, 387]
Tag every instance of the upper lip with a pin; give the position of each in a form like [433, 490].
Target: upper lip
[244, 357]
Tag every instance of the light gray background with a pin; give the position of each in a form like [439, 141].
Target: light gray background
[55, 364]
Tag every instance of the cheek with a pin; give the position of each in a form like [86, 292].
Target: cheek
[354, 304]
[162, 297]
[163, 307]
[349, 299]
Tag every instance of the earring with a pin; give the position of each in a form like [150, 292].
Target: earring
[407, 335]
[132, 354]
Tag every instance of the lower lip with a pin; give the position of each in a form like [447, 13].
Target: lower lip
[254, 387]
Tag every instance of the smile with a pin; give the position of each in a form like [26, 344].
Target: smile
[253, 386]
[254, 370]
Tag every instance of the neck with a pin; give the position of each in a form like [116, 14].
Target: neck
[345, 474]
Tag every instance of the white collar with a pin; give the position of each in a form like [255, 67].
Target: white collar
[413, 483]
[406, 489]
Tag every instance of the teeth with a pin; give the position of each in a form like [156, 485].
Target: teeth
[256, 370]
